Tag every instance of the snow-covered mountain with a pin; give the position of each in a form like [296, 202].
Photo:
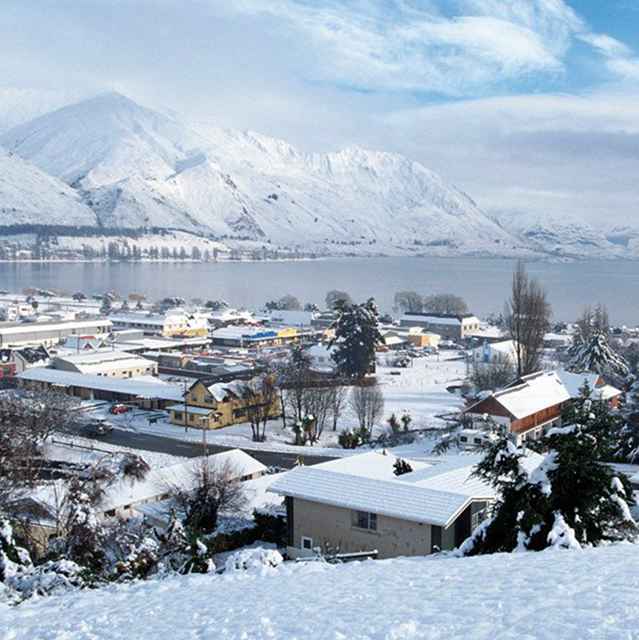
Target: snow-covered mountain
[30, 196]
[137, 167]
[564, 235]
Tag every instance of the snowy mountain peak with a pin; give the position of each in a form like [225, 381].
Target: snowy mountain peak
[134, 166]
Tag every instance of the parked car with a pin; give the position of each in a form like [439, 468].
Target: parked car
[117, 409]
[98, 428]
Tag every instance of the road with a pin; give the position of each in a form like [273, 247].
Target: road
[148, 442]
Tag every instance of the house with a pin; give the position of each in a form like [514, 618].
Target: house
[173, 323]
[219, 405]
[421, 339]
[126, 498]
[450, 326]
[358, 504]
[494, 352]
[393, 341]
[105, 362]
[47, 334]
[18, 360]
[534, 403]
[292, 317]
[148, 394]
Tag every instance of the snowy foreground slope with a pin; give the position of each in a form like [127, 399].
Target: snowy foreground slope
[553, 594]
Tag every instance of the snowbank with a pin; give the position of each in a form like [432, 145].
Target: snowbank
[567, 594]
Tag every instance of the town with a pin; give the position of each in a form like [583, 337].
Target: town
[143, 437]
[318, 320]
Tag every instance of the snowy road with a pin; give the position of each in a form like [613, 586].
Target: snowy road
[163, 444]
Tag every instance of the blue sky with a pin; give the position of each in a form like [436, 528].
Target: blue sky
[529, 105]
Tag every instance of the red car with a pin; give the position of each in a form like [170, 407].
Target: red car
[117, 409]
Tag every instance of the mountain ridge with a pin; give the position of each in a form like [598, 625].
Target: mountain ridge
[136, 167]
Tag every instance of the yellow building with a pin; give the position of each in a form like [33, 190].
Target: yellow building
[220, 405]
[419, 338]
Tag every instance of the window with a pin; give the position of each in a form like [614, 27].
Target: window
[365, 520]
[463, 439]
[477, 518]
[307, 543]
[178, 415]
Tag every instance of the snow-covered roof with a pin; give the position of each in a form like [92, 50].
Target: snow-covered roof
[129, 386]
[104, 359]
[157, 483]
[243, 332]
[32, 327]
[444, 320]
[367, 483]
[575, 381]
[536, 393]
[221, 390]
[374, 464]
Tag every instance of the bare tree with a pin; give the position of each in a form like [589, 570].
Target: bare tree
[409, 301]
[335, 297]
[445, 303]
[527, 319]
[261, 401]
[493, 375]
[319, 404]
[367, 403]
[216, 489]
[26, 420]
[338, 400]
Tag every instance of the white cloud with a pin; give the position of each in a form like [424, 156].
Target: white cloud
[406, 46]
[551, 153]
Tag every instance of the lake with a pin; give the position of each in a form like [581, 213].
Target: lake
[482, 282]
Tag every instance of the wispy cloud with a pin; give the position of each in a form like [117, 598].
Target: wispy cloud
[449, 47]
[404, 45]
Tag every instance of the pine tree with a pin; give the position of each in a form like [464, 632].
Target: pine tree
[597, 356]
[569, 499]
[356, 336]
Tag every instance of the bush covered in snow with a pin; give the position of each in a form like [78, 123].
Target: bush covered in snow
[256, 560]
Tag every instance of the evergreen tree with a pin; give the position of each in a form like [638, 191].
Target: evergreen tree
[356, 337]
[597, 356]
[400, 467]
[566, 498]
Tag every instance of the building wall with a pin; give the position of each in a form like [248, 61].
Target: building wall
[222, 414]
[111, 371]
[331, 528]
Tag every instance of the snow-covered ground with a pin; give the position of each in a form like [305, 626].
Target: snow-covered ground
[419, 390]
[552, 595]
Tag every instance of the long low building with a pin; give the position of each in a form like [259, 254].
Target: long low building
[149, 394]
[18, 334]
[106, 362]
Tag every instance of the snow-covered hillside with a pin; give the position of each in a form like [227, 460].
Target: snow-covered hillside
[564, 235]
[28, 195]
[137, 167]
[552, 594]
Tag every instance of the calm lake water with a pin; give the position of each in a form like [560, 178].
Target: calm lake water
[483, 283]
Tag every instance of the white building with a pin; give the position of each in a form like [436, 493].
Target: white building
[50, 333]
[494, 352]
[173, 323]
[453, 327]
[358, 504]
[105, 362]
